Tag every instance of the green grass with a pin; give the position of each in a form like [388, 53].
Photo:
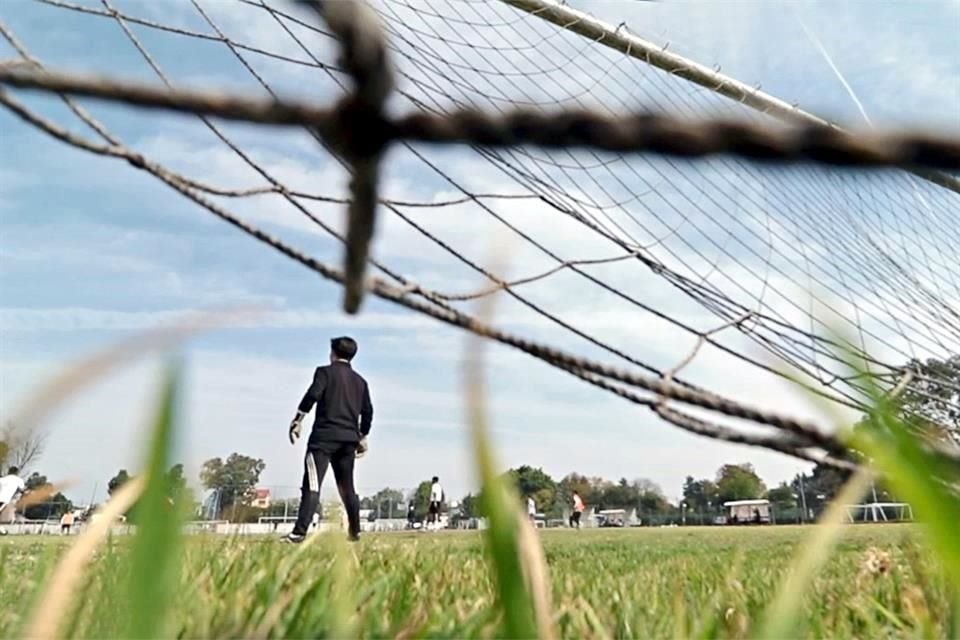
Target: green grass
[691, 582]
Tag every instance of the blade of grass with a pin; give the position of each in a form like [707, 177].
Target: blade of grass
[534, 565]
[343, 604]
[55, 602]
[503, 516]
[89, 369]
[915, 473]
[519, 567]
[154, 553]
[779, 619]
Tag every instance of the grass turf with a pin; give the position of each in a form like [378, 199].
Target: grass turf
[687, 582]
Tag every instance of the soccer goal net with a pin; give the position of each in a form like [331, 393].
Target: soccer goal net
[880, 512]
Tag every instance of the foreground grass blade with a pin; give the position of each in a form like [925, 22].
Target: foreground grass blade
[913, 472]
[500, 507]
[57, 599]
[515, 553]
[85, 371]
[917, 475]
[781, 616]
[154, 554]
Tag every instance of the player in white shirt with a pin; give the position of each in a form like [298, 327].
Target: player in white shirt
[11, 486]
[578, 508]
[436, 501]
[531, 508]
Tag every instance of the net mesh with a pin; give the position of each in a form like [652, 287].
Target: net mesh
[632, 258]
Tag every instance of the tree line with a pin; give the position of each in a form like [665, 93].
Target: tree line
[931, 406]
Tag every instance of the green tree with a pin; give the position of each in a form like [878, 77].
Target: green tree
[622, 495]
[781, 497]
[35, 481]
[700, 495]
[117, 481]
[234, 479]
[570, 483]
[52, 507]
[421, 499]
[470, 506]
[739, 482]
[650, 497]
[819, 487]
[386, 503]
[176, 482]
[931, 403]
[536, 483]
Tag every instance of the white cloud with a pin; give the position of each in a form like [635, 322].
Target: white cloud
[51, 320]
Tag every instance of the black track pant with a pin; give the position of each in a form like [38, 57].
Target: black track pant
[340, 456]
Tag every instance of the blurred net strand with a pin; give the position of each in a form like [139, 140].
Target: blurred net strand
[898, 290]
[270, 9]
[221, 35]
[777, 349]
[450, 97]
[629, 133]
[498, 282]
[782, 443]
[793, 362]
[138, 160]
[228, 41]
[599, 39]
[590, 27]
[408, 286]
[28, 61]
[792, 444]
[185, 189]
[947, 309]
[585, 369]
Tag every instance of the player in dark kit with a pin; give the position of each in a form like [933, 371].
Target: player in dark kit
[342, 422]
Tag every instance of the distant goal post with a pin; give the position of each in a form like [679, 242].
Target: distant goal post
[276, 519]
[880, 512]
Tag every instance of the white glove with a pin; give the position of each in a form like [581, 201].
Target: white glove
[362, 447]
[295, 427]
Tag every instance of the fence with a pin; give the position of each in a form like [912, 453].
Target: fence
[269, 504]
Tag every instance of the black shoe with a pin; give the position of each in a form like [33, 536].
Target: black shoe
[354, 537]
[294, 538]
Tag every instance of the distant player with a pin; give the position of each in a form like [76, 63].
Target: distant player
[531, 509]
[66, 522]
[577, 510]
[340, 428]
[11, 486]
[436, 502]
[411, 515]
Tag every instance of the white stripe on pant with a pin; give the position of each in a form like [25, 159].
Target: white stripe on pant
[313, 482]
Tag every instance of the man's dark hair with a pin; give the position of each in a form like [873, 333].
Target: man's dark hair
[12, 471]
[435, 479]
[344, 348]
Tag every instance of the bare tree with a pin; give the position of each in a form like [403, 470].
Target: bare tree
[20, 447]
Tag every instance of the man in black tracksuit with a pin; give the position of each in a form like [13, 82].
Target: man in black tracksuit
[339, 436]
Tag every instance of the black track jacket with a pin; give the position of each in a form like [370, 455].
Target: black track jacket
[344, 411]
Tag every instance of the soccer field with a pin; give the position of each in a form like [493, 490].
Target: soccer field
[686, 582]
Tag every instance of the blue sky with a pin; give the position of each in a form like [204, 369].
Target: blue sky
[92, 250]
